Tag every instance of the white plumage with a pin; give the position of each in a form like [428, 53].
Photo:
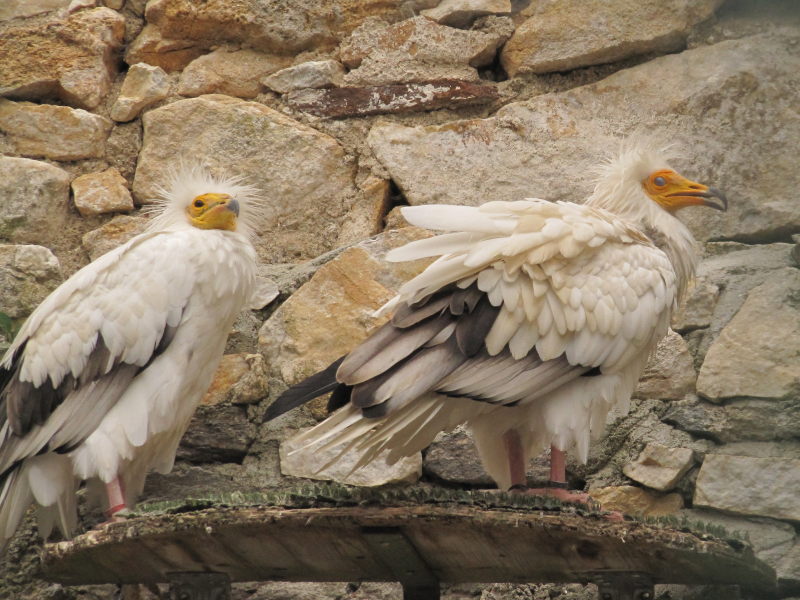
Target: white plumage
[104, 376]
[534, 322]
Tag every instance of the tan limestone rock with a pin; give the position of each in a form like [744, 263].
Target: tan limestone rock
[72, 59]
[112, 234]
[100, 193]
[697, 307]
[462, 13]
[566, 34]
[144, 85]
[366, 216]
[332, 312]
[414, 50]
[660, 467]
[56, 132]
[28, 273]
[632, 500]
[395, 219]
[304, 175]
[750, 485]
[269, 25]
[153, 48]
[239, 379]
[757, 354]
[13, 9]
[311, 74]
[35, 200]
[307, 463]
[232, 72]
[670, 373]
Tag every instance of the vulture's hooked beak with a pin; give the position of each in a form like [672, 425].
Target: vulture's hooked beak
[710, 197]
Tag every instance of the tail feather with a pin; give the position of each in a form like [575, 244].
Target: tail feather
[15, 497]
[312, 387]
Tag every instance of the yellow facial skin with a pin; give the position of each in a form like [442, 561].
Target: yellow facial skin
[673, 191]
[213, 211]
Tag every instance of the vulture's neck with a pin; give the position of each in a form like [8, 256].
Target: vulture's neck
[662, 228]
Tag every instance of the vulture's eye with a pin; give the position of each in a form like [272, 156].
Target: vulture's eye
[659, 181]
[198, 203]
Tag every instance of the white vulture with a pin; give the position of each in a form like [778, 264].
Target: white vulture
[536, 319]
[104, 376]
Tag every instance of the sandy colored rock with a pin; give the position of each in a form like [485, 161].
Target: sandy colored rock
[144, 85]
[232, 72]
[35, 200]
[697, 307]
[382, 99]
[566, 34]
[462, 13]
[378, 472]
[757, 354]
[637, 501]
[660, 467]
[330, 314]
[100, 193]
[737, 420]
[670, 373]
[218, 433]
[414, 50]
[112, 234]
[56, 132]
[699, 100]
[12, 9]
[306, 181]
[750, 486]
[239, 379]
[153, 48]
[28, 274]
[72, 58]
[269, 25]
[311, 74]
[366, 216]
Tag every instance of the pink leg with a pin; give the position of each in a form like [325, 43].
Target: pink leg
[116, 499]
[558, 476]
[516, 458]
[558, 465]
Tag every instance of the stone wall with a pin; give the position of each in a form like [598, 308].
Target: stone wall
[344, 109]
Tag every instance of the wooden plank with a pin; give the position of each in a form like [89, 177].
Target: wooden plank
[457, 543]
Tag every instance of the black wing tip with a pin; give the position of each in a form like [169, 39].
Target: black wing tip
[311, 387]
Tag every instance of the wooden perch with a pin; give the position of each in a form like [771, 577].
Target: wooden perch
[417, 544]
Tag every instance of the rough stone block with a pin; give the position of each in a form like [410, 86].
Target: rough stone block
[233, 72]
[756, 354]
[659, 467]
[56, 132]
[144, 85]
[100, 193]
[747, 485]
[632, 500]
[70, 59]
[311, 74]
[566, 34]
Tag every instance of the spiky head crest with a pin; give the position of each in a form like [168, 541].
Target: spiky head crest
[188, 181]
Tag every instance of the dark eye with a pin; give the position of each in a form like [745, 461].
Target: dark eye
[198, 203]
[659, 181]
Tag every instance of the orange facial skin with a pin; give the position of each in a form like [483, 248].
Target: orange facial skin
[673, 191]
